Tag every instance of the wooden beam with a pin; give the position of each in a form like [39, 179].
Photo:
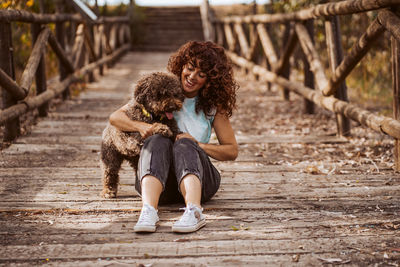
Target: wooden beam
[335, 54]
[396, 94]
[283, 67]
[34, 59]
[31, 103]
[378, 123]
[77, 50]
[40, 75]
[11, 86]
[219, 33]
[267, 45]
[312, 55]
[254, 45]
[309, 79]
[57, 43]
[89, 45]
[244, 46]
[99, 49]
[61, 55]
[12, 126]
[229, 37]
[391, 22]
[356, 53]
[321, 10]
[290, 44]
[25, 16]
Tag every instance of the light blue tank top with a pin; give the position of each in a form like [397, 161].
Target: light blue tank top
[198, 124]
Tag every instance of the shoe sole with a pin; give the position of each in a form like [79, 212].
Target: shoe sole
[144, 229]
[180, 229]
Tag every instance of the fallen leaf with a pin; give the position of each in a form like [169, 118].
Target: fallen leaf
[312, 169]
[334, 260]
[234, 228]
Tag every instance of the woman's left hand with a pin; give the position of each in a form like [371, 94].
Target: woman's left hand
[185, 135]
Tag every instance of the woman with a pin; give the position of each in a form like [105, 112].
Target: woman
[169, 171]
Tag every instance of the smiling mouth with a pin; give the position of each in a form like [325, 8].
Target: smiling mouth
[189, 83]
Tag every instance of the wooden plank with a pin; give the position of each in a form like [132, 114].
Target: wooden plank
[268, 211]
[198, 248]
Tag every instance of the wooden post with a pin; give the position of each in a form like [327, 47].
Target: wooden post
[308, 74]
[396, 94]
[286, 70]
[40, 76]
[90, 44]
[12, 127]
[60, 34]
[335, 51]
[205, 19]
[131, 15]
[99, 45]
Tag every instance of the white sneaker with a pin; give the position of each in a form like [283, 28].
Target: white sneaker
[192, 220]
[148, 220]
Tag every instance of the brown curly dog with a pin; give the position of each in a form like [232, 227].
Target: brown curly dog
[155, 97]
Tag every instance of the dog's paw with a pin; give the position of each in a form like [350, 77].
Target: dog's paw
[162, 129]
[107, 193]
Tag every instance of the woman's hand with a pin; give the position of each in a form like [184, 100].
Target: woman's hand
[185, 135]
[146, 129]
[122, 122]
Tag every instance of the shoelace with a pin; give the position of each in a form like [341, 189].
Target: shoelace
[186, 215]
[145, 215]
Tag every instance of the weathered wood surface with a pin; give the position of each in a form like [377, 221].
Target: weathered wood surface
[296, 195]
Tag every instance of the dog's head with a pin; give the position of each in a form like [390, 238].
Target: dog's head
[160, 93]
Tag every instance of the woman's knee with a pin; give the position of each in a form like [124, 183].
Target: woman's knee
[157, 141]
[184, 144]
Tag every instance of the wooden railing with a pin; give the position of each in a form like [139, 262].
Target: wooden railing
[242, 35]
[81, 47]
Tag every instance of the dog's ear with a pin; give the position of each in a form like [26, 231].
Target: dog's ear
[141, 89]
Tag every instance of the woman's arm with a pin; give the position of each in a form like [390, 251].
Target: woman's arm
[122, 122]
[227, 148]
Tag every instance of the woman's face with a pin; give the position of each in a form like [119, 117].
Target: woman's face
[192, 79]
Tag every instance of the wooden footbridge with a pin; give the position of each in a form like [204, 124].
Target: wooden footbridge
[299, 193]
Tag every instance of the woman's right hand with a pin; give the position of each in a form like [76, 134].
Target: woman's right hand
[146, 129]
[121, 121]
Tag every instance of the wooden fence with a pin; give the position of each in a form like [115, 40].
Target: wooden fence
[81, 46]
[243, 36]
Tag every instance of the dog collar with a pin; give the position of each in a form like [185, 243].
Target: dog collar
[149, 115]
[145, 112]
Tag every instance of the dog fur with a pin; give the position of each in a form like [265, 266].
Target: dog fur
[154, 95]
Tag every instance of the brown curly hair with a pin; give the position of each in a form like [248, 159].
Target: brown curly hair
[220, 89]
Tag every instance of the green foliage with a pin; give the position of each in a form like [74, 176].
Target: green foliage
[292, 5]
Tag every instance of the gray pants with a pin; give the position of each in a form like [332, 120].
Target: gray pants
[170, 162]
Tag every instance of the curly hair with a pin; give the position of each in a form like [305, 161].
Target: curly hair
[220, 89]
